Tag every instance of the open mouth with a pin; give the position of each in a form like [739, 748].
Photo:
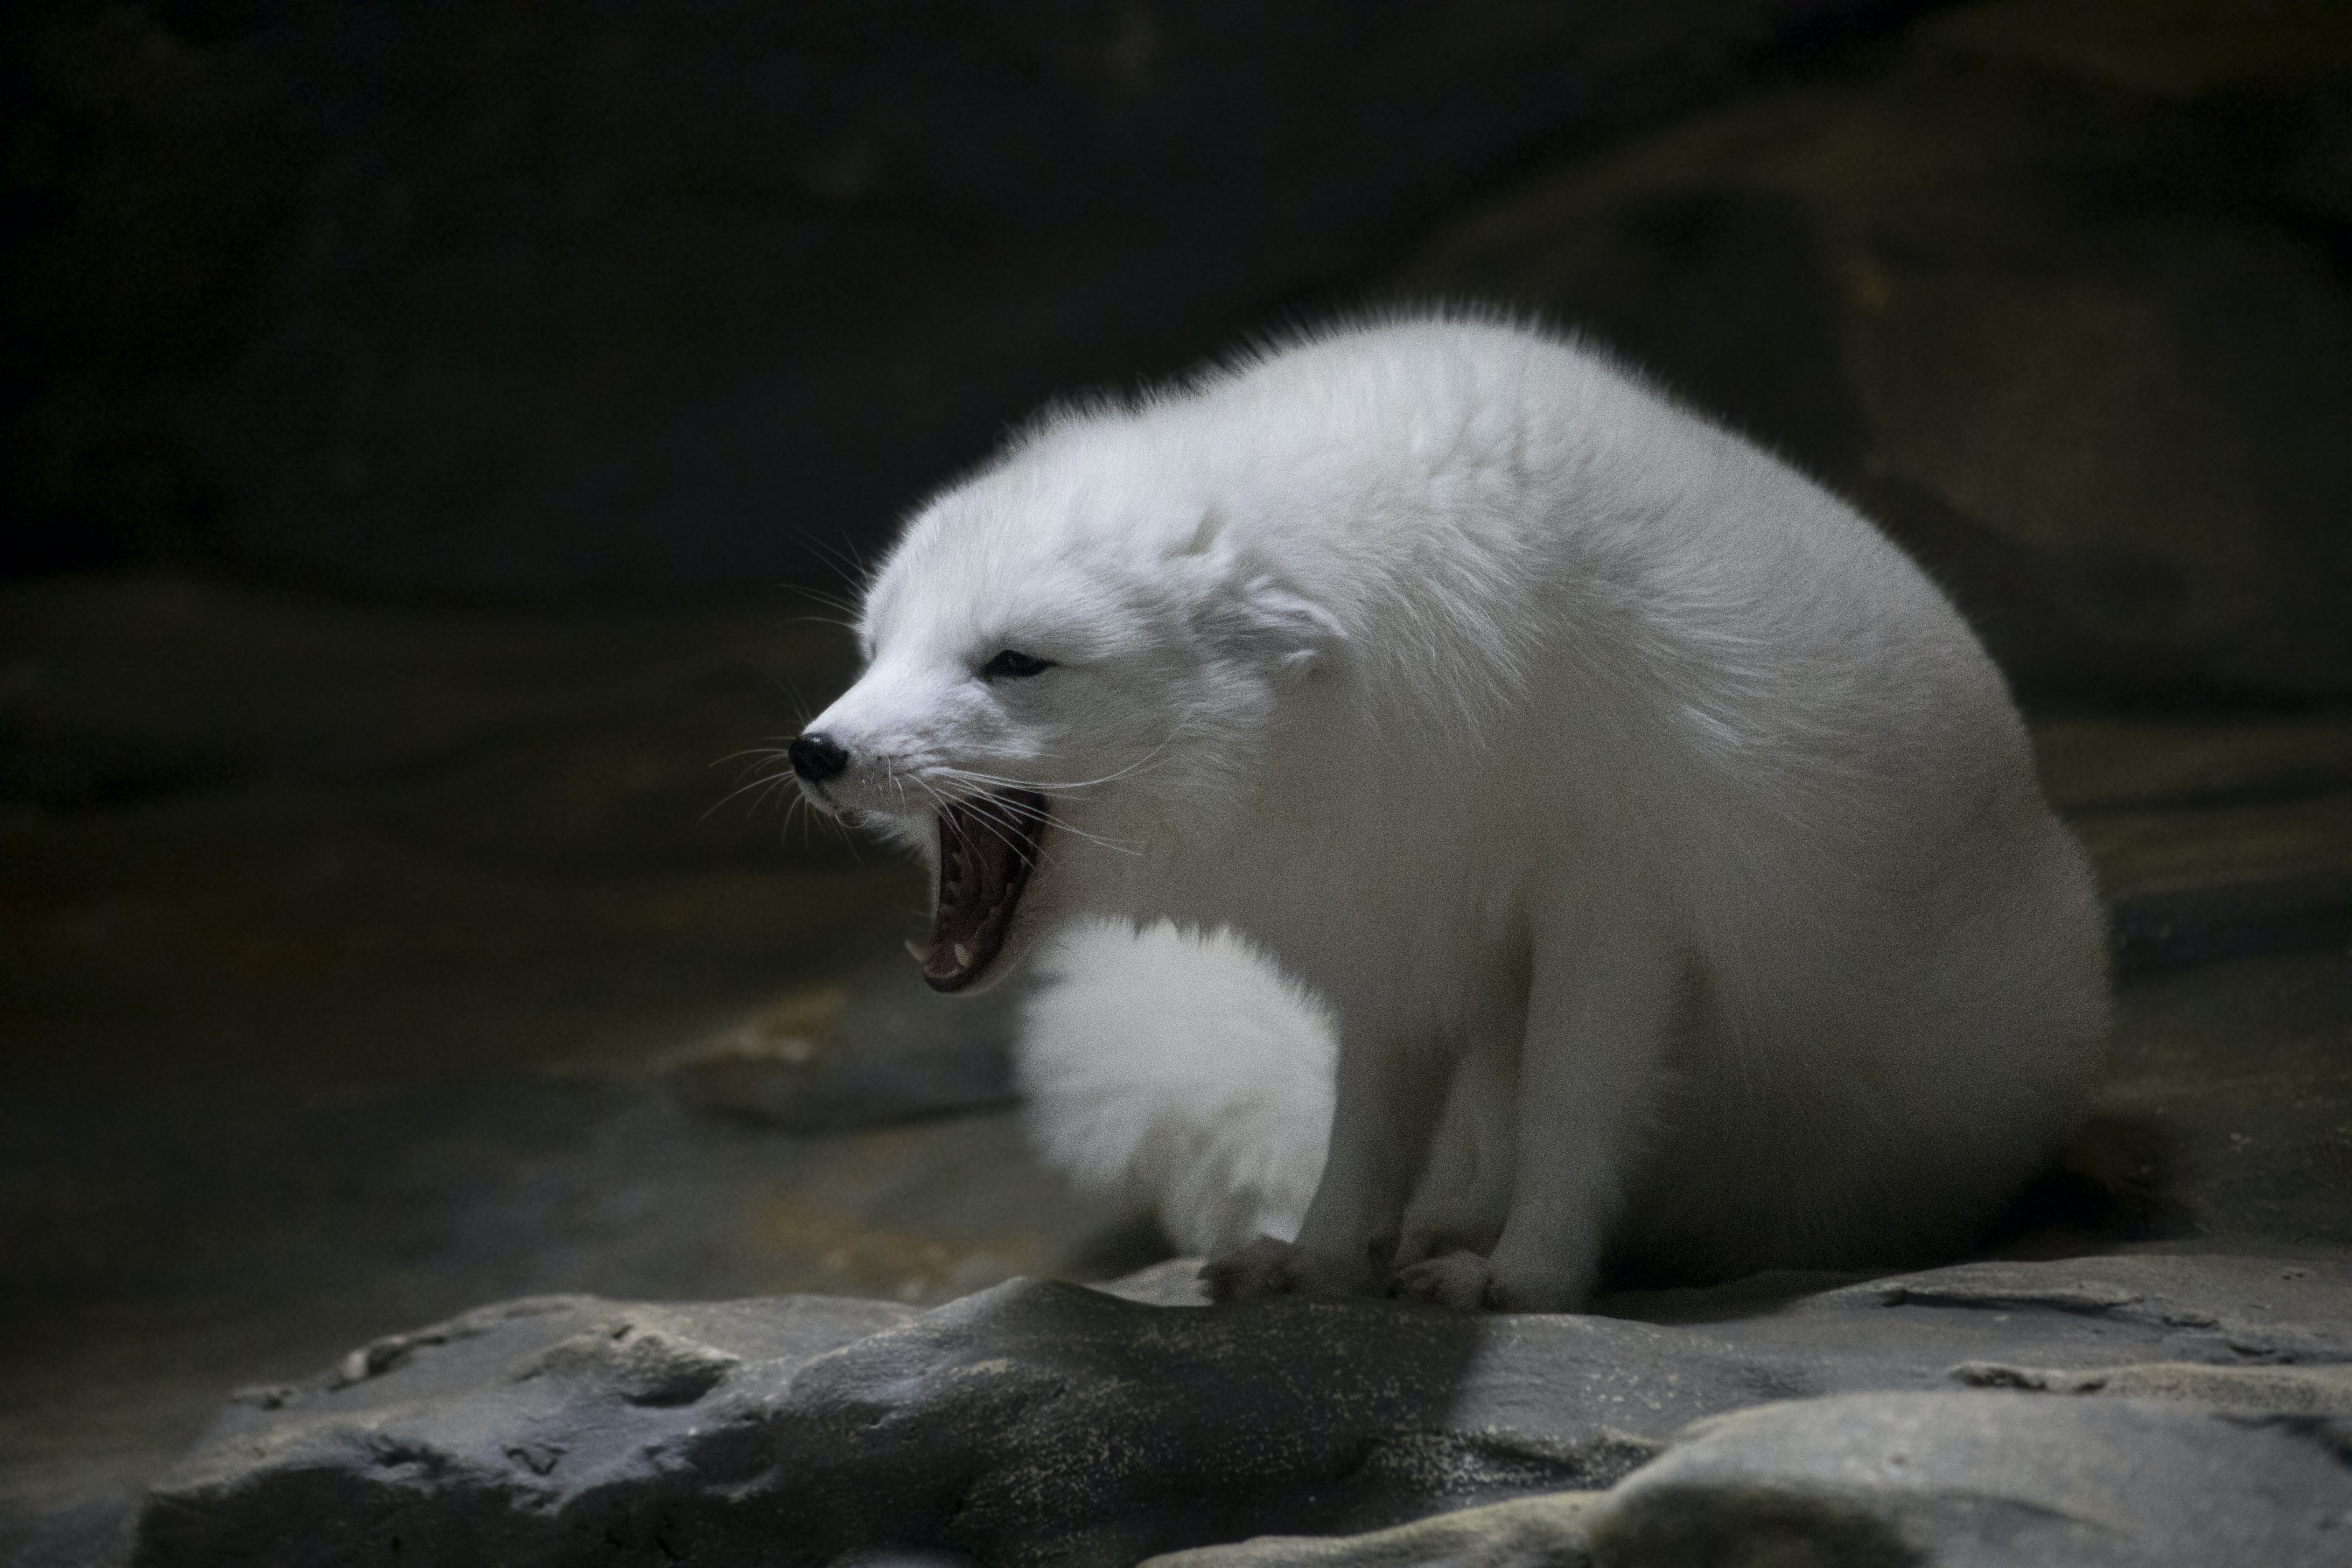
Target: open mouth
[988, 848]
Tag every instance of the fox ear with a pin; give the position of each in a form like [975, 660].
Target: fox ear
[1247, 610]
[1257, 618]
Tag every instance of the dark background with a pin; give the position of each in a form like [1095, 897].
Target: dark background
[421, 429]
[533, 303]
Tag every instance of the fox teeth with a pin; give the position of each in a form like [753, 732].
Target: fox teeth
[964, 956]
[920, 954]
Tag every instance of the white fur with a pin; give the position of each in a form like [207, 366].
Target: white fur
[1183, 1070]
[1668, 851]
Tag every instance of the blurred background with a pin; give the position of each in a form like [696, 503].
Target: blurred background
[433, 439]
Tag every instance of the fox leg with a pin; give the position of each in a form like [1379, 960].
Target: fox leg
[1384, 1115]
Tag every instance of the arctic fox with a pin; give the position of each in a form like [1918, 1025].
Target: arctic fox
[1668, 852]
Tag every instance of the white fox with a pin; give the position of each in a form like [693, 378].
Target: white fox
[1667, 851]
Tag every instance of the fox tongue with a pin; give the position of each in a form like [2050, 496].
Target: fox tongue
[987, 847]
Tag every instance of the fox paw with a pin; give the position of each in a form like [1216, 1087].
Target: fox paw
[1270, 1268]
[1437, 1230]
[1458, 1280]
[1469, 1283]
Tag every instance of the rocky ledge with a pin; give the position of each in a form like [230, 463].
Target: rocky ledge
[2139, 1409]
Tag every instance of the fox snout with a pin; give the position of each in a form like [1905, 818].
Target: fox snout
[817, 757]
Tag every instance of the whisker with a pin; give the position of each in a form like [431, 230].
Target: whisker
[763, 752]
[814, 816]
[849, 627]
[999, 821]
[1004, 782]
[1116, 846]
[991, 783]
[830, 600]
[765, 781]
[988, 819]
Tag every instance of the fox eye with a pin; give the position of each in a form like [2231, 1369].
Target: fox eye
[1013, 662]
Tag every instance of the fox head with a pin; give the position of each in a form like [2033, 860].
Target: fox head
[1072, 662]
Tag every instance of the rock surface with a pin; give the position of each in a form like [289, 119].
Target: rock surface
[1553, 1530]
[2096, 1406]
[1907, 1479]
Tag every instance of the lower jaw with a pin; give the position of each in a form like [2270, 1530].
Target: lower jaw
[976, 977]
[987, 964]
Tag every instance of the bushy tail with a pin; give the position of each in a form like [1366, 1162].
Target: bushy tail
[1184, 1070]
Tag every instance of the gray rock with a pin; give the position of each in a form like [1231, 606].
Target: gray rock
[504, 1411]
[1550, 1531]
[1916, 1478]
[1908, 1480]
[1048, 1423]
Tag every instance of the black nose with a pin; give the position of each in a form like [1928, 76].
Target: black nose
[817, 757]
